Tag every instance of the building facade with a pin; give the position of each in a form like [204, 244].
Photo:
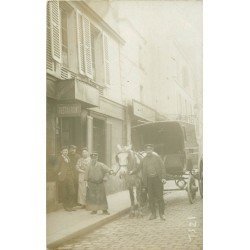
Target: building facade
[174, 82]
[84, 98]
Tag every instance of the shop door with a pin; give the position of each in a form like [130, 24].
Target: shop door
[99, 142]
[70, 131]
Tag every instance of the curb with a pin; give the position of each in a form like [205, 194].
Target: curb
[88, 229]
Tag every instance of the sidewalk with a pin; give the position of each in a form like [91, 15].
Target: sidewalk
[63, 225]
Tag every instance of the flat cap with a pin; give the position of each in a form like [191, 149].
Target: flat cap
[73, 146]
[94, 154]
[64, 147]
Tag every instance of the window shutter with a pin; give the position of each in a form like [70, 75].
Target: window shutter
[55, 30]
[106, 59]
[49, 58]
[80, 42]
[87, 47]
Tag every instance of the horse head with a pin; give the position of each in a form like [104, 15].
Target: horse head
[127, 159]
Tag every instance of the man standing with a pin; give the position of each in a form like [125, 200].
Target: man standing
[65, 177]
[74, 157]
[153, 178]
[96, 196]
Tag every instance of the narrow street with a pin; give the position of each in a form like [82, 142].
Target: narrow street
[181, 230]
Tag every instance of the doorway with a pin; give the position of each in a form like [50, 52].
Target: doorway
[99, 139]
[72, 131]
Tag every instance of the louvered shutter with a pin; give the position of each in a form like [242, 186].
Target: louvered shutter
[49, 58]
[55, 30]
[106, 59]
[80, 42]
[87, 47]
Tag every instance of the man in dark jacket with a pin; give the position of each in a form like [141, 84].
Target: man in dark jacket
[74, 157]
[153, 178]
[65, 178]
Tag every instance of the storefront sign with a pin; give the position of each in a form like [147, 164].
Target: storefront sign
[110, 108]
[143, 111]
[73, 109]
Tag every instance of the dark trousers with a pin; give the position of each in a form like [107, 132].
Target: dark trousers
[76, 184]
[155, 194]
[67, 193]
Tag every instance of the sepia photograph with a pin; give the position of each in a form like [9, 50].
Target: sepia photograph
[124, 124]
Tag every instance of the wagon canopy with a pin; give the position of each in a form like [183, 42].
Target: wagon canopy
[169, 137]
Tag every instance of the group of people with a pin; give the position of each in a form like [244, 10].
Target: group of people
[81, 180]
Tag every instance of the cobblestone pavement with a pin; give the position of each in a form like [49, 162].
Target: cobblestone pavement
[181, 230]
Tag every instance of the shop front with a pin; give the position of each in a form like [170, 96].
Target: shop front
[68, 123]
[108, 121]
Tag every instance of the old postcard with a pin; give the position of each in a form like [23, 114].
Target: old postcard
[124, 159]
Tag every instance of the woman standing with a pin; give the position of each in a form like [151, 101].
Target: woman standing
[81, 166]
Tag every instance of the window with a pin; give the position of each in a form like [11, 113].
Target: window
[179, 105]
[106, 55]
[96, 52]
[93, 52]
[50, 62]
[64, 39]
[141, 93]
[84, 45]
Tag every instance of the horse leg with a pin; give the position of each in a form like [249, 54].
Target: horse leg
[132, 199]
[139, 200]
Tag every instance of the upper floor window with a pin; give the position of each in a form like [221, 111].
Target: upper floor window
[64, 35]
[141, 93]
[96, 52]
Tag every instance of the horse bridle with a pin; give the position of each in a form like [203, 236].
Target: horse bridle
[136, 153]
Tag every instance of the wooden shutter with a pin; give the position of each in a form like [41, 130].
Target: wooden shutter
[80, 42]
[55, 30]
[106, 59]
[87, 47]
[49, 59]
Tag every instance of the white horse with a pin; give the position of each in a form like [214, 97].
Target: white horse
[128, 161]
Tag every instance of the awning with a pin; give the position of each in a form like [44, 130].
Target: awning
[76, 90]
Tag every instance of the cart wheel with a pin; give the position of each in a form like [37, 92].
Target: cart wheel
[191, 189]
[201, 180]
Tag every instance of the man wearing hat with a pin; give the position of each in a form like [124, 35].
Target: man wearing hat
[65, 178]
[153, 178]
[74, 157]
[96, 196]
